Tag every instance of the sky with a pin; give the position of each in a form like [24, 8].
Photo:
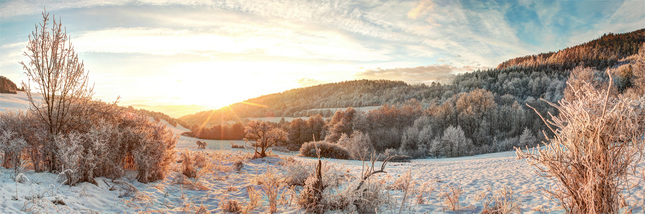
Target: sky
[215, 53]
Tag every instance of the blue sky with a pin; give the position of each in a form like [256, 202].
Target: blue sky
[214, 53]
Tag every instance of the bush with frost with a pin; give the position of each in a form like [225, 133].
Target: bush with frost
[598, 141]
[358, 144]
[327, 150]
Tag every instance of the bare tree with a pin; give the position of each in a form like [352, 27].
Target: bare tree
[58, 74]
[598, 141]
[264, 136]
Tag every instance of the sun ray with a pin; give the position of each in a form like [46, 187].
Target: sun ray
[254, 104]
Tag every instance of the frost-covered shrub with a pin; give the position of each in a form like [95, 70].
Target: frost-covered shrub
[598, 143]
[358, 144]
[99, 140]
[11, 145]
[13, 129]
[327, 150]
[152, 148]
[69, 153]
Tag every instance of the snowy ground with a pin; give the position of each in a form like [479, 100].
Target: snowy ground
[479, 177]
[15, 102]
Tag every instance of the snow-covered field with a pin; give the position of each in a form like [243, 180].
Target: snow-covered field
[479, 177]
[15, 102]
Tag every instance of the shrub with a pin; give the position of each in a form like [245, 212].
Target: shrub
[230, 206]
[327, 150]
[12, 143]
[358, 144]
[154, 150]
[598, 138]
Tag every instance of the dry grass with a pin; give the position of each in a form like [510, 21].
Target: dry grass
[230, 206]
[451, 197]
[187, 166]
[502, 202]
[255, 199]
[271, 185]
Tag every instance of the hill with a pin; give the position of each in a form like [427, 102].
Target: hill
[601, 53]
[6, 86]
[323, 99]
[523, 79]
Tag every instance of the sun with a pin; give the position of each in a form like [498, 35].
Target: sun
[219, 84]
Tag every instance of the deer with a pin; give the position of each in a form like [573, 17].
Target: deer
[201, 145]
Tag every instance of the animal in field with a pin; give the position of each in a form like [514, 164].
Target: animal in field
[201, 145]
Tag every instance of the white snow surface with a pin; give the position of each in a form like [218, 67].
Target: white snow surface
[475, 174]
[15, 102]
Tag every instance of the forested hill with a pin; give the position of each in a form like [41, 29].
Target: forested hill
[601, 53]
[294, 102]
[514, 82]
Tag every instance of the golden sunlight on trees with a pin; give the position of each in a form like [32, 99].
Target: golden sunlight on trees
[264, 136]
[59, 75]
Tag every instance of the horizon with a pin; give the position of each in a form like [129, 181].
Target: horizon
[214, 54]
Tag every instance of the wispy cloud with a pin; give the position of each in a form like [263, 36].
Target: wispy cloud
[414, 75]
[311, 41]
[278, 42]
[304, 82]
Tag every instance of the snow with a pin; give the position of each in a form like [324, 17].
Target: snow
[478, 176]
[15, 102]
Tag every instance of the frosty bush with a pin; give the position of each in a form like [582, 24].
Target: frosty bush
[599, 137]
[152, 148]
[19, 133]
[327, 150]
[101, 140]
[358, 144]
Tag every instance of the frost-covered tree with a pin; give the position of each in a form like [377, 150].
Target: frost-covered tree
[417, 139]
[264, 135]
[527, 138]
[341, 123]
[455, 143]
[59, 77]
[58, 74]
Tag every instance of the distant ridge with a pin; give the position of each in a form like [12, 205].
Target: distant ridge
[600, 53]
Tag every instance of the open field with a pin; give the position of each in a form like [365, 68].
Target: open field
[478, 176]
[226, 174]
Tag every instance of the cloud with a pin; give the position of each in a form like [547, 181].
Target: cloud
[237, 39]
[304, 82]
[17, 8]
[413, 75]
[423, 7]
